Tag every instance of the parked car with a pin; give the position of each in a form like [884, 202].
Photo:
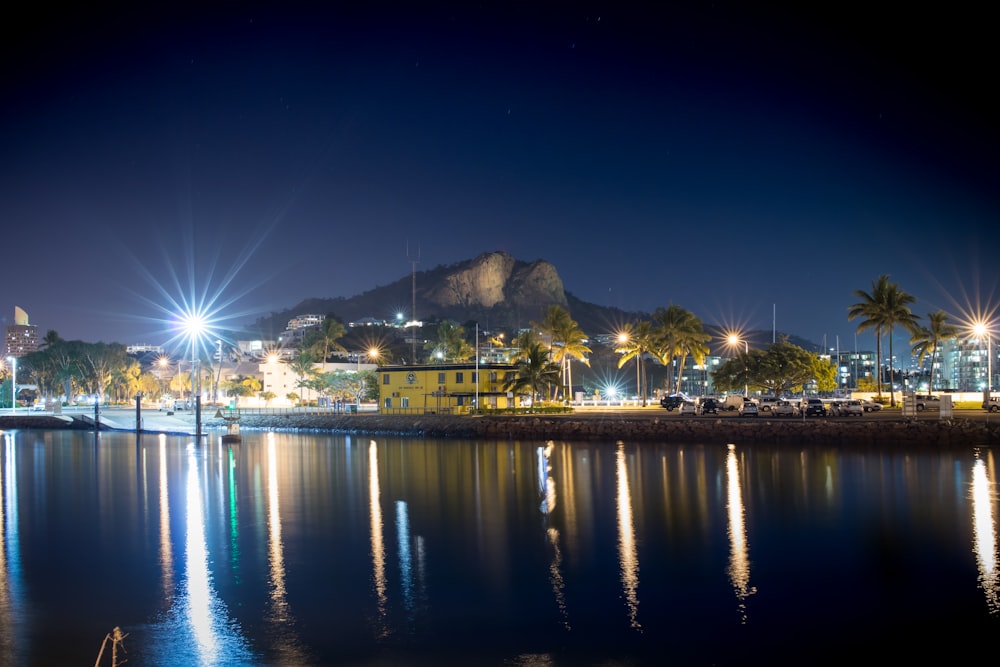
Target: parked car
[852, 409]
[749, 409]
[871, 406]
[767, 402]
[710, 406]
[813, 407]
[834, 408]
[672, 402]
[926, 402]
[993, 405]
[688, 408]
[784, 409]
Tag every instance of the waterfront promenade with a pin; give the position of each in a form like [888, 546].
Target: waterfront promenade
[651, 424]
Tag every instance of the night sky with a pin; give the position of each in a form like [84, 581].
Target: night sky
[746, 163]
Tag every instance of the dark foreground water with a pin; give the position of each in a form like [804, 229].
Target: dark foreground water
[290, 549]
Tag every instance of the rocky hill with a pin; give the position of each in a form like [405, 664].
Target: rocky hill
[494, 289]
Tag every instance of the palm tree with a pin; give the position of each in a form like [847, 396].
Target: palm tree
[927, 340]
[679, 333]
[450, 342]
[50, 340]
[521, 345]
[325, 339]
[303, 367]
[535, 372]
[635, 341]
[241, 385]
[567, 341]
[883, 309]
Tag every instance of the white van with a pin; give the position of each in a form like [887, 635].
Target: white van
[734, 402]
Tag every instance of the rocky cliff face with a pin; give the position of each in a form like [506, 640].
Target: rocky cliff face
[497, 279]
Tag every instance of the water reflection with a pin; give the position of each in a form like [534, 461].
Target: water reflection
[377, 539]
[198, 623]
[412, 555]
[276, 559]
[166, 552]
[279, 551]
[984, 534]
[627, 555]
[10, 555]
[286, 641]
[547, 489]
[739, 553]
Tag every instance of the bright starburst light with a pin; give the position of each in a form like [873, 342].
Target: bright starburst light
[195, 310]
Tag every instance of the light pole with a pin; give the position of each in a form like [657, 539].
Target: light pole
[218, 376]
[13, 384]
[372, 353]
[196, 391]
[163, 363]
[195, 326]
[734, 340]
[980, 329]
[622, 339]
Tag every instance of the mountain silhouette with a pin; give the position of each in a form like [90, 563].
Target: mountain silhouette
[495, 290]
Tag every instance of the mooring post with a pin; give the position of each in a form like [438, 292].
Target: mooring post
[138, 411]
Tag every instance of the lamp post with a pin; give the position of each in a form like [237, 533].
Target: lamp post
[195, 325]
[163, 363]
[371, 353]
[980, 329]
[218, 376]
[734, 340]
[196, 391]
[13, 384]
[622, 339]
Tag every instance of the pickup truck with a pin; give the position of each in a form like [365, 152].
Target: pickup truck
[923, 402]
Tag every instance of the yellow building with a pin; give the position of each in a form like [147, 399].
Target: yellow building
[452, 388]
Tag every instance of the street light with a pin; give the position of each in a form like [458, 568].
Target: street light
[734, 340]
[622, 340]
[980, 329]
[218, 377]
[13, 384]
[371, 353]
[194, 324]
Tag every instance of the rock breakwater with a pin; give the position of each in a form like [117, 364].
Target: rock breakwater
[611, 428]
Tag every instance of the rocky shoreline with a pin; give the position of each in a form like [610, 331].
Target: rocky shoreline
[591, 427]
[612, 428]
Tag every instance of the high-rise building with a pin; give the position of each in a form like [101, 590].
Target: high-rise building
[22, 337]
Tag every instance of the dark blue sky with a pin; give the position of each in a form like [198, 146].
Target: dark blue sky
[738, 161]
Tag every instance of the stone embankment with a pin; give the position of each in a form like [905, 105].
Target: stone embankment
[584, 426]
[610, 427]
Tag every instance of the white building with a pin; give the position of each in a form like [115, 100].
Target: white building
[279, 379]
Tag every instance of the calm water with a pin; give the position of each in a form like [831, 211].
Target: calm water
[291, 549]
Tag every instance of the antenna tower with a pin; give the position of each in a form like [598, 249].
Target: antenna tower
[413, 305]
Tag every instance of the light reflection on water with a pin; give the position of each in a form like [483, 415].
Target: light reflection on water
[275, 551]
[985, 531]
[627, 550]
[739, 550]
[11, 576]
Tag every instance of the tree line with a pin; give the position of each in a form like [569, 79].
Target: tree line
[542, 355]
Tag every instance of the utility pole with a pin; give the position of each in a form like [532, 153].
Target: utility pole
[413, 307]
